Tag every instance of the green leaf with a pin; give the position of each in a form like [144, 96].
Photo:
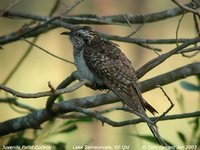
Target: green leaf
[196, 124]
[19, 140]
[190, 87]
[182, 137]
[60, 98]
[198, 141]
[60, 146]
[84, 119]
[69, 129]
[57, 146]
[198, 78]
[180, 99]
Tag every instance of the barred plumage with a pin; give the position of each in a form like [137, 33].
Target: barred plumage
[103, 63]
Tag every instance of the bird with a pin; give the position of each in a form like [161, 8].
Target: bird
[101, 61]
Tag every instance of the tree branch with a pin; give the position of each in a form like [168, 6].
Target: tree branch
[158, 60]
[46, 93]
[178, 3]
[56, 22]
[46, 51]
[16, 103]
[25, 55]
[46, 23]
[116, 19]
[36, 118]
[133, 121]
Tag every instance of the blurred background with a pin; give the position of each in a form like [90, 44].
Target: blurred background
[39, 68]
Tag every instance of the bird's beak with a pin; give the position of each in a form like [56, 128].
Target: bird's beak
[65, 33]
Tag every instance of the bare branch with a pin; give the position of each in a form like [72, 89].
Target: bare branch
[19, 63]
[55, 7]
[16, 103]
[46, 23]
[46, 93]
[36, 118]
[170, 77]
[28, 32]
[46, 51]
[63, 84]
[145, 44]
[191, 55]
[10, 6]
[195, 6]
[54, 22]
[188, 50]
[178, 3]
[136, 30]
[158, 60]
[33, 120]
[116, 19]
[171, 105]
[80, 115]
[178, 26]
[134, 121]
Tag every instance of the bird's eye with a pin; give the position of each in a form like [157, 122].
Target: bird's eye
[78, 34]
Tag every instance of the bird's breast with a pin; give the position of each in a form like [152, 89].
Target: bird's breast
[84, 70]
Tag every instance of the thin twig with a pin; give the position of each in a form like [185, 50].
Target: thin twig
[55, 7]
[171, 105]
[155, 50]
[136, 30]
[188, 50]
[46, 93]
[10, 6]
[80, 115]
[134, 121]
[55, 23]
[63, 84]
[49, 21]
[178, 3]
[22, 59]
[51, 86]
[191, 55]
[178, 26]
[158, 60]
[196, 24]
[63, 3]
[19, 63]
[46, 51]
[17, 110]
[150, 47]
[34, 119]
[76, 3]
[16, 103]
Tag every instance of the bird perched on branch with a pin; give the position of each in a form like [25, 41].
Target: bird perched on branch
[103, 63]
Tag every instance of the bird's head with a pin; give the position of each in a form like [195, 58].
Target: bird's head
[81, 35]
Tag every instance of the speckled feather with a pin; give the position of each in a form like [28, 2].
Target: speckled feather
[102, 62]
[106, 60]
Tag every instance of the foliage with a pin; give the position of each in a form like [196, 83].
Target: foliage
[49, 130]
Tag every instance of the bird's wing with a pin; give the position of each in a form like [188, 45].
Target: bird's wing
[108, 62]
